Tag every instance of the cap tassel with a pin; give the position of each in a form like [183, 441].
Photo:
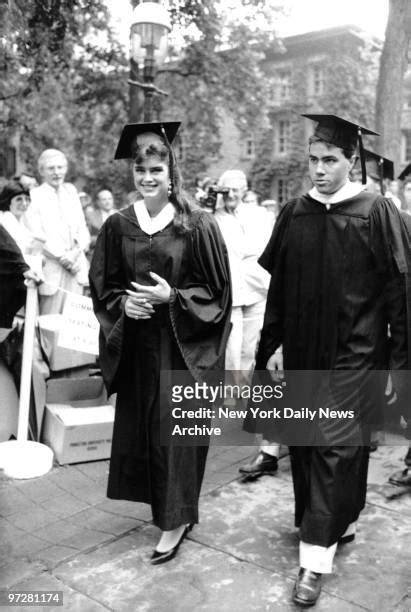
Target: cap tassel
[381, 173]
[164, 133]
[362, 158]
[171, 160]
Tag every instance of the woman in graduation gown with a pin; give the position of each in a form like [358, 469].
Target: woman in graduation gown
[160, 286]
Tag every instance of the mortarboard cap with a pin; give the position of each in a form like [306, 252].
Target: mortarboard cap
[379, 166]
[165, 129]
[338, 131]
[405, 173]
[341, 133]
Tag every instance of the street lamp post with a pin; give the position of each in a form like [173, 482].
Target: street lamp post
[148, 48]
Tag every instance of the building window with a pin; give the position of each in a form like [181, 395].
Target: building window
[283, 191]
[284, 86]
[280, 87]
[316, 80]
[283, 136]
[249, 146]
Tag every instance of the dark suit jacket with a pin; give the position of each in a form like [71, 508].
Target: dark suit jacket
[94, 219]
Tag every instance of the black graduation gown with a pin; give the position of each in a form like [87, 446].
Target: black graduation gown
[190, 333]
[338, 279]
[12, 287]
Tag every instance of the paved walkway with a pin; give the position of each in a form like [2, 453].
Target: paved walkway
[60, 532]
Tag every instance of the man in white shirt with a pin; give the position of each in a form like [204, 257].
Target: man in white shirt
[246, 228]
[56, 213]
[245, 231]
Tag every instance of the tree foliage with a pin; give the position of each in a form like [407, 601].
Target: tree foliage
[219, 69]
[65, 80]
[60, 85]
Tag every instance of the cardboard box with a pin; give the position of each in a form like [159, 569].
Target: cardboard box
[78, 422]
[59, 358]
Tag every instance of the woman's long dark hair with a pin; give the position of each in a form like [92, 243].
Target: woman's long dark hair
[178, 196]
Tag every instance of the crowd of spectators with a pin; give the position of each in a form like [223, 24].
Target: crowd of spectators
[54, 226]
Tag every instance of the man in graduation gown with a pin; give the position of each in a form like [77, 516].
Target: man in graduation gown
[381, 169]
[338, 259]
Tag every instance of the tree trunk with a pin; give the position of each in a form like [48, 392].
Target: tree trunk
[393, 65]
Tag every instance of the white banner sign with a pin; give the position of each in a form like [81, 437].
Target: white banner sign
[79, 329]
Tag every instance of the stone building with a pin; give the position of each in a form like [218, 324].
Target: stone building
[333, 70]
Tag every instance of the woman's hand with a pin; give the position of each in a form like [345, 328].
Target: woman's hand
[137, 307]
[32, 278]
[154, 294]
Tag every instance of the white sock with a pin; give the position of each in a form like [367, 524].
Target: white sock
[270, 448]
[317, 558]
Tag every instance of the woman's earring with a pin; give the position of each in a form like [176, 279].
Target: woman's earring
[170, 188]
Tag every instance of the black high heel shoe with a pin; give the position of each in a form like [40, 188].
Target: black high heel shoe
[346, 539]
[162, 557]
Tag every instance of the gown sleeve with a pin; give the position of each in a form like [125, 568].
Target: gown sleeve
[273, 260]
[391, 246]
[200, 311]
[12, 288]
[108, 294]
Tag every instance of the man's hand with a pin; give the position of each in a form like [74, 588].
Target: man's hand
[69, 260]
[275, 366]
[154, 294]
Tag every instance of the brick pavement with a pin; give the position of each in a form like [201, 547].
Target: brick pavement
[60, 531]
[52, 518]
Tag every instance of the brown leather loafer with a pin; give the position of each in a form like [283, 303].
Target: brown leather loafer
[262, 463]
[307, 588]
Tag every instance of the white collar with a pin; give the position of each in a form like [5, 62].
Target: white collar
[151, 225]
[349, 190]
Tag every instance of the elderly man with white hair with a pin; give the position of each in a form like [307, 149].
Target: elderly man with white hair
[246, 230]
[56, 213]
